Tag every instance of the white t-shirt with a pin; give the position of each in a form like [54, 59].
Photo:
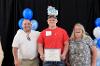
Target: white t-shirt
[27, 49]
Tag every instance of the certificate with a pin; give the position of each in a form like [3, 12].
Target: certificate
[52, 54]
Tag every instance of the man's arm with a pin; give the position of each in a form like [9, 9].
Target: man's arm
[15, 54]
[41, 51]
[65, 51]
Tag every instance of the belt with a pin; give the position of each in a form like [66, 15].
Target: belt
[29, 59]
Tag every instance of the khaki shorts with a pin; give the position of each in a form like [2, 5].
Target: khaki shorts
[27, 62]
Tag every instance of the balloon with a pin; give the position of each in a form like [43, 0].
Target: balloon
[20, 23]
[97, 22]
[27, 13]
[34, 24]
[95, 41]
[98, 43]
[96, 32]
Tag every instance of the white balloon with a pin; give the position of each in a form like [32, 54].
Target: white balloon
[95, 41]
[96, 32]
[34, 24]
[52, 11]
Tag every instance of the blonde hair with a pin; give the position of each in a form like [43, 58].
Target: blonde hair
[83, 31]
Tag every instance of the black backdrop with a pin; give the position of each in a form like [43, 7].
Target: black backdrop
[70, 12]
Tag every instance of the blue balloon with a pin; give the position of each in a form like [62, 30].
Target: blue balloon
[97, 22]
[20, 23]
[27, 13]
[34, 24]
[98, 43]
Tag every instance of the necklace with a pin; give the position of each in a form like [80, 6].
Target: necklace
[28, 38]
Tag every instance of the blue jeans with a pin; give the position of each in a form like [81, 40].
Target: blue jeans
[53, 63]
